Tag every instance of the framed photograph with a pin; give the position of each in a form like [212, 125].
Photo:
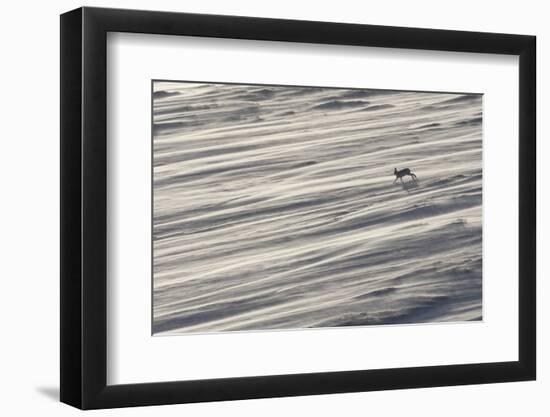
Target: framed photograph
[257, 208]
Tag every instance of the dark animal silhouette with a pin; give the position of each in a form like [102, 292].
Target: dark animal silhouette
[401, 173]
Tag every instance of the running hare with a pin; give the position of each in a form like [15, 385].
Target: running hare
[401, 173]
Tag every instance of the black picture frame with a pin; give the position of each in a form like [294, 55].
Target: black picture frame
[84, 207]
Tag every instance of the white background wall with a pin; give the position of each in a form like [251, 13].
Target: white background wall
[29, 176]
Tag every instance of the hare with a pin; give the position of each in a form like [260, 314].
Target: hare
[401, 173]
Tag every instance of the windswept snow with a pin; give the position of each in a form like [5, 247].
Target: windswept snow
[275, 208]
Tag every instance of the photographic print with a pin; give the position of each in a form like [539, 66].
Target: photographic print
[292, 207]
